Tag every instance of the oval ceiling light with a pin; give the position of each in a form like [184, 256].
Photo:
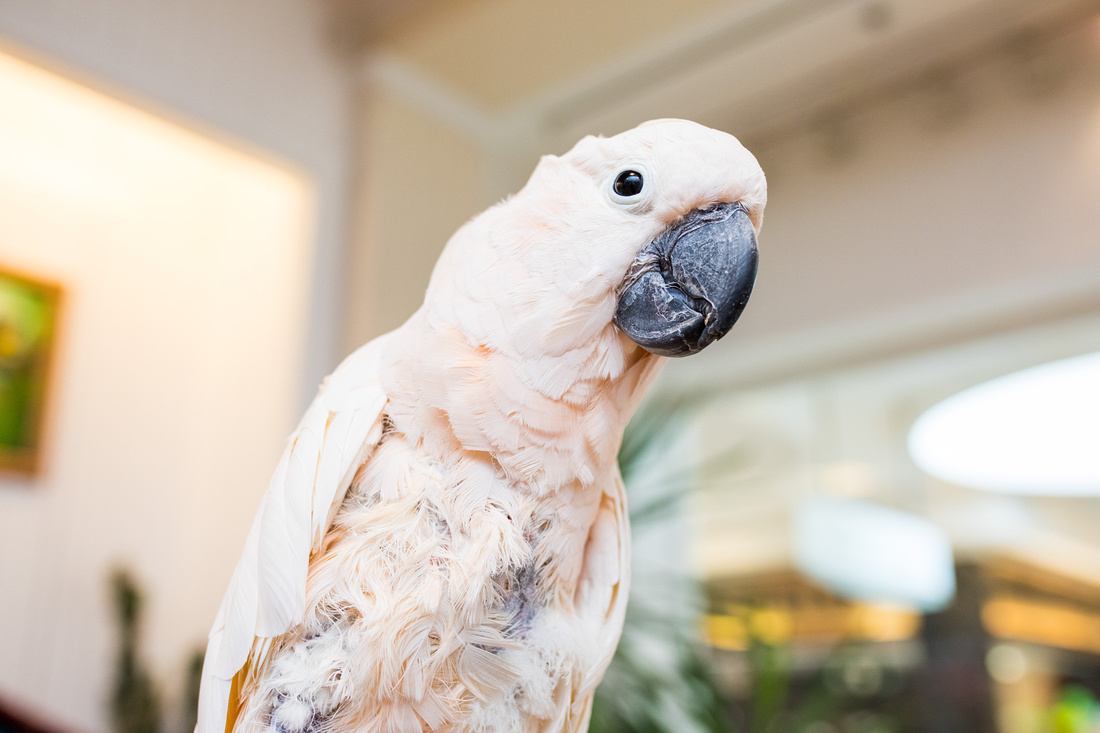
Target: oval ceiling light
[1032, 432]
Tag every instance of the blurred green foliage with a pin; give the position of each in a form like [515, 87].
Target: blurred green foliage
[135, 705]
[660, 678]
[1076, 711]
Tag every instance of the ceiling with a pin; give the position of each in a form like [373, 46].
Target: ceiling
[572, 67]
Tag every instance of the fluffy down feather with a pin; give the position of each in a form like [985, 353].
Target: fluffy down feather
[444, 544]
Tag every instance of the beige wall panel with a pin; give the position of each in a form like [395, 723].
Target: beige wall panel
[420, 181]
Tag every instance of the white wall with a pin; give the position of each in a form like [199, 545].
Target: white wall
[940, 215]
[258, 71]
[185, 267]
[952, 237]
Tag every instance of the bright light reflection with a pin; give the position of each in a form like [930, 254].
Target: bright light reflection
[873, 553]
[1033, 432]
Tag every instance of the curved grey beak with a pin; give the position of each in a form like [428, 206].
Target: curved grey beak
[687, 288]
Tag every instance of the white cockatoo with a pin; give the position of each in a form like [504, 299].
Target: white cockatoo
[444, 544]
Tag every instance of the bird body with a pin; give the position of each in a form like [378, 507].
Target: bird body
[444, 545]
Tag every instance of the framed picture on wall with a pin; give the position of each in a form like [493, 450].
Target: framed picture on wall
[28, 320]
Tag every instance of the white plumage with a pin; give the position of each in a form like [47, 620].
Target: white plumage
[444, 544]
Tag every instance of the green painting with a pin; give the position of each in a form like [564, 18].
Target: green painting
[28, 313]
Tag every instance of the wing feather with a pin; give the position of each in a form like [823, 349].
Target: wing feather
[601, 599]
[284, 533]
[266, 595]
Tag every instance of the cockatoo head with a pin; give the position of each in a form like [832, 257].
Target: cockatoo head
[547, 314]
[653, 229]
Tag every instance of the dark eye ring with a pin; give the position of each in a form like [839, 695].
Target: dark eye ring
[628, 184]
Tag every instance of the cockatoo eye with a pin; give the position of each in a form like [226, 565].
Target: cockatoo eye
[628, 184]
[632, 187]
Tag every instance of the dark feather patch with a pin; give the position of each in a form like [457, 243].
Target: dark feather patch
[520, 599]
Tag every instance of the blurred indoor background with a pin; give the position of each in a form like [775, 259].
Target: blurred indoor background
[205, 204]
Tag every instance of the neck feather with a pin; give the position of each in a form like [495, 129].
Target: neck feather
[548, 421]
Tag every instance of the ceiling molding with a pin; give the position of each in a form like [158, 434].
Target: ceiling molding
[431, 96]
